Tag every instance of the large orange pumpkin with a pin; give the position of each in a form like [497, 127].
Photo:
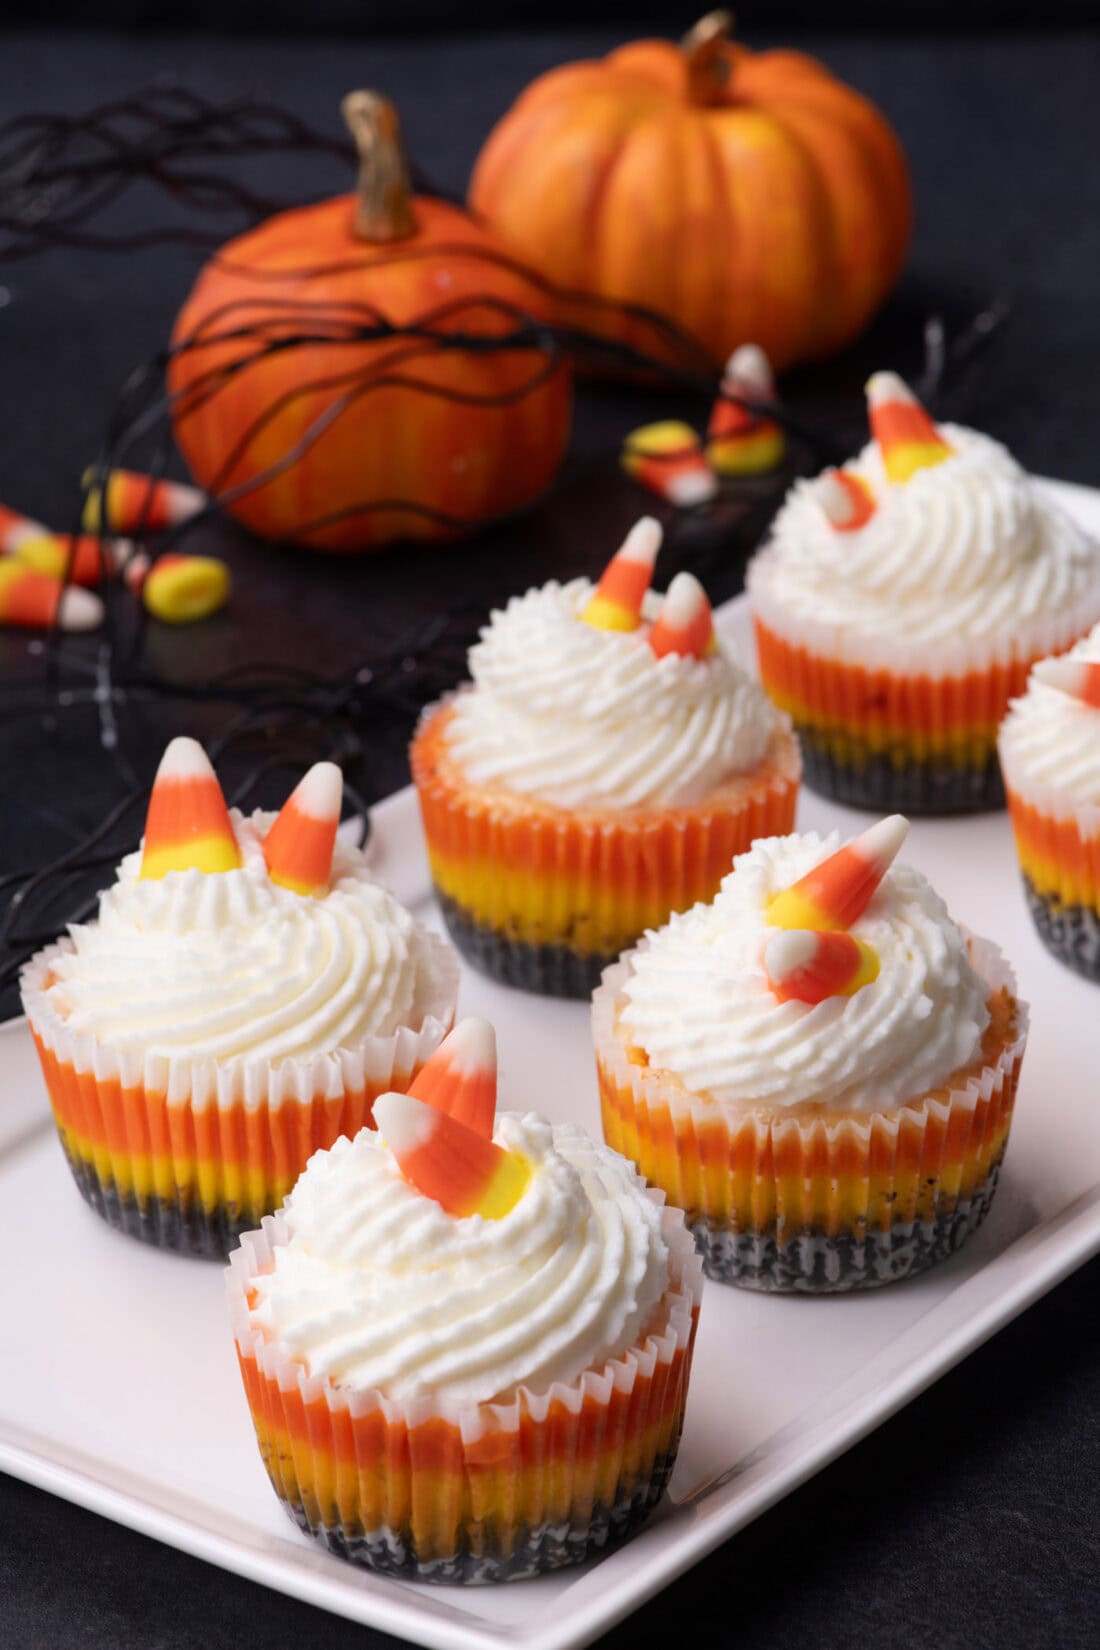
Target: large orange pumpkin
[436, 435]
[747, 197]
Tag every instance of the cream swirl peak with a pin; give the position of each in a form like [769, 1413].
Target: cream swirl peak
[967, 551]
[583, 717]
[699, 1003]
[1049, 743]
[378, 1287]
[231, 964]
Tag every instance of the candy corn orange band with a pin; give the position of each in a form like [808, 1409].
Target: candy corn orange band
[238, 1157]
[357, 1467]
[789, 1175]
[592, 881]
[943, 718]
[1059, 860]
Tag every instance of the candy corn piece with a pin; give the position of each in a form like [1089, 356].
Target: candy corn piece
[616, 603]
[36, 601]
[1078, 677]
[47, 552]
[846, 499]
[187, 826]
[685, 624]
[298, 847]
[668, 459]
[461, 1077]
[136, 502]
[839, 890]
[807, 967]
[179, 589]
[907, 438]
[463, 1172]
[739, 442]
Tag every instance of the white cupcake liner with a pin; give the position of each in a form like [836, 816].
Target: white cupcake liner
[856, 1180]
[202, 1081]
[529, 1482]
[185, 1152]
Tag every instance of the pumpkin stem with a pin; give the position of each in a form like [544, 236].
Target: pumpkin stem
[708, 67]
[383, 195]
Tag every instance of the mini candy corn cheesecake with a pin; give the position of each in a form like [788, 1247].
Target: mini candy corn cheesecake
[1050, 757]
[246, 992]
[901, 601]
[466, 1338]
[603, 768]
[819, 1067]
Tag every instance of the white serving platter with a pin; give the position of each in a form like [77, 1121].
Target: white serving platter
[118, 1382]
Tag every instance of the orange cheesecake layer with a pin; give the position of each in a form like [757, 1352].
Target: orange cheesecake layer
[809, 1169]
[951, 719]
[589, 880]
[245, 1158]
[1059, 860]
[441, 1492]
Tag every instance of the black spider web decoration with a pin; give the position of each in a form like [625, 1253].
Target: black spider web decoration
[58, 175]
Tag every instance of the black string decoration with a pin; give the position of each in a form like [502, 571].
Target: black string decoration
[57, 175]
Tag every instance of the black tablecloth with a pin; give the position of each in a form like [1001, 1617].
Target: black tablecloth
[972, 1517]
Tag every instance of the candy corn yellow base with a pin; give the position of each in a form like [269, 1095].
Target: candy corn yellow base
[1060, 862]
[474, 1492]
[523, 883]
[190, 1175]
[803, 1198]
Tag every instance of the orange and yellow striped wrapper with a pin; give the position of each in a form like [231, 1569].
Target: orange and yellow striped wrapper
[432, 1490]
[1059, 854]
[545, 896]
[806, 1198]
[188, 1153]
[876, 736]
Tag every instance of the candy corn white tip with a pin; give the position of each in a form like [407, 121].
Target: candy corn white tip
[886, 389]
[405, 1124]
[79, 609]
[184, 758]
[881, 843]
[642, 542]
[470, 1048]
[692, 487]
[1080, 678]
[839, 502]
[320, 794]
[685, 600]
[788, 950]
[749, 366]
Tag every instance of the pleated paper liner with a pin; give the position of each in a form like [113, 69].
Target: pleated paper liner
[187, 1153]
[813, 1202]
[1059, 856]
[545, 897]
[897, 733]
[436, 1491]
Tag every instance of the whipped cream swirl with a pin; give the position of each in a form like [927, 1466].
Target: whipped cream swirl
[968, 555]
[232, 965]
[1049, 745]
[699, 1004]
[378, 1287]
[580, 717]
